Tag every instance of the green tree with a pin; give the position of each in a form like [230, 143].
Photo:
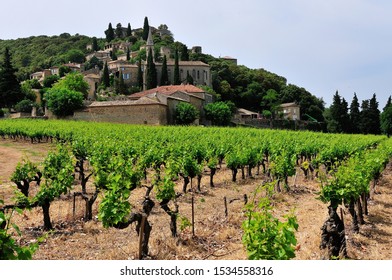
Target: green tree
[119, 31]
[109, 33]
[270, 101]
[218, 113]
[189, 79]
[185, 113]
[355, 115]
[120, 85]
[10, 91]
[92, 63]
[151, 81]
[63, 101]
[128, 54]
[366, 121]
[146, 28]
[95, 44]
[50, 80]
[340, 119]
[75, 55]
[386, 120]
[73, 81]
[374, 115]
[184, 53]
[140, 80]
[164, 74]
[105, 76]
[129, 30]
[389, 103]
[177, 79]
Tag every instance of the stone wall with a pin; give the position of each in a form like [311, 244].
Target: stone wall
[154, 114]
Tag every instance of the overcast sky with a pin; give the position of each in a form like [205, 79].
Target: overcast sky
[320, 45]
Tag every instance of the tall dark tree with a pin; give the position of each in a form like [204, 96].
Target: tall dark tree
[110, 33]
[375, 115]
[389, 103]
[334, 124]
[184, 53]
[177, 79]
[386, 118]
[345, 117]
[140, 80]
[146, 28]
[164, 74]
[151, 79]
[129, 30]
[113, 55]
[355, 115]
[119, 31]
[366, 120]
[95, 44]
[10, 91]
[105, 76]
[120, 84]
[128, 54]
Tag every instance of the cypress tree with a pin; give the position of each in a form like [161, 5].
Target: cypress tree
[95, 44]
[189, 79]
[345, 117]
[120, 84]
[389, 103]
[129, 30]
[334, 125]
[10, 91]
[184, 53]
[128, 54]
[119, 32]
[355, 115]
[374, 115]
[164, 74]
[386, 118]
[146, 28]
[366, 120]
[105, 76]
[151, 71]
[140, 74]
[110, 33]
[177, 79]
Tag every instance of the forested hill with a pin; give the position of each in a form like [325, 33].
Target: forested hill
[255, 89]
[39, 52]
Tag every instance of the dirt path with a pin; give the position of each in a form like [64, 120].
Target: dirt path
[216, 236]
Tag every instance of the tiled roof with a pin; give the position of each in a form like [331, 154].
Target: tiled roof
[141, 101]
[289, 104]
[168, 90]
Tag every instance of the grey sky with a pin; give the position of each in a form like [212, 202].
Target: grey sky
[320, 45]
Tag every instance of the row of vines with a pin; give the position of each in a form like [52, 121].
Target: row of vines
[117, 159]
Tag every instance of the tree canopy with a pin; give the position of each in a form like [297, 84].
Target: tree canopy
[185, 113]
[10, 90]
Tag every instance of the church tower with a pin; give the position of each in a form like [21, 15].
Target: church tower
[150, 44]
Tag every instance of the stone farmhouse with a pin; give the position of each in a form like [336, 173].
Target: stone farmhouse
[152, 107]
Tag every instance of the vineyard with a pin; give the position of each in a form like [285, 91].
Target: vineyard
[164, 192]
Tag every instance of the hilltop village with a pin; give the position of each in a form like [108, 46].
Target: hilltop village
[176, 81]
[119, 69]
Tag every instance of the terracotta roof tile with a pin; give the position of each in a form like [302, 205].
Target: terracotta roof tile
[168, 90]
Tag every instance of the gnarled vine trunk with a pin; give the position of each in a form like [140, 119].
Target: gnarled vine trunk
[333, 237]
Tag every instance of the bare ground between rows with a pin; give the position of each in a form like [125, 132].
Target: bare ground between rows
[216, 236]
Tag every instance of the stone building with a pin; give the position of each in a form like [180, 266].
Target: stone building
[290, 111]
[153, 107]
